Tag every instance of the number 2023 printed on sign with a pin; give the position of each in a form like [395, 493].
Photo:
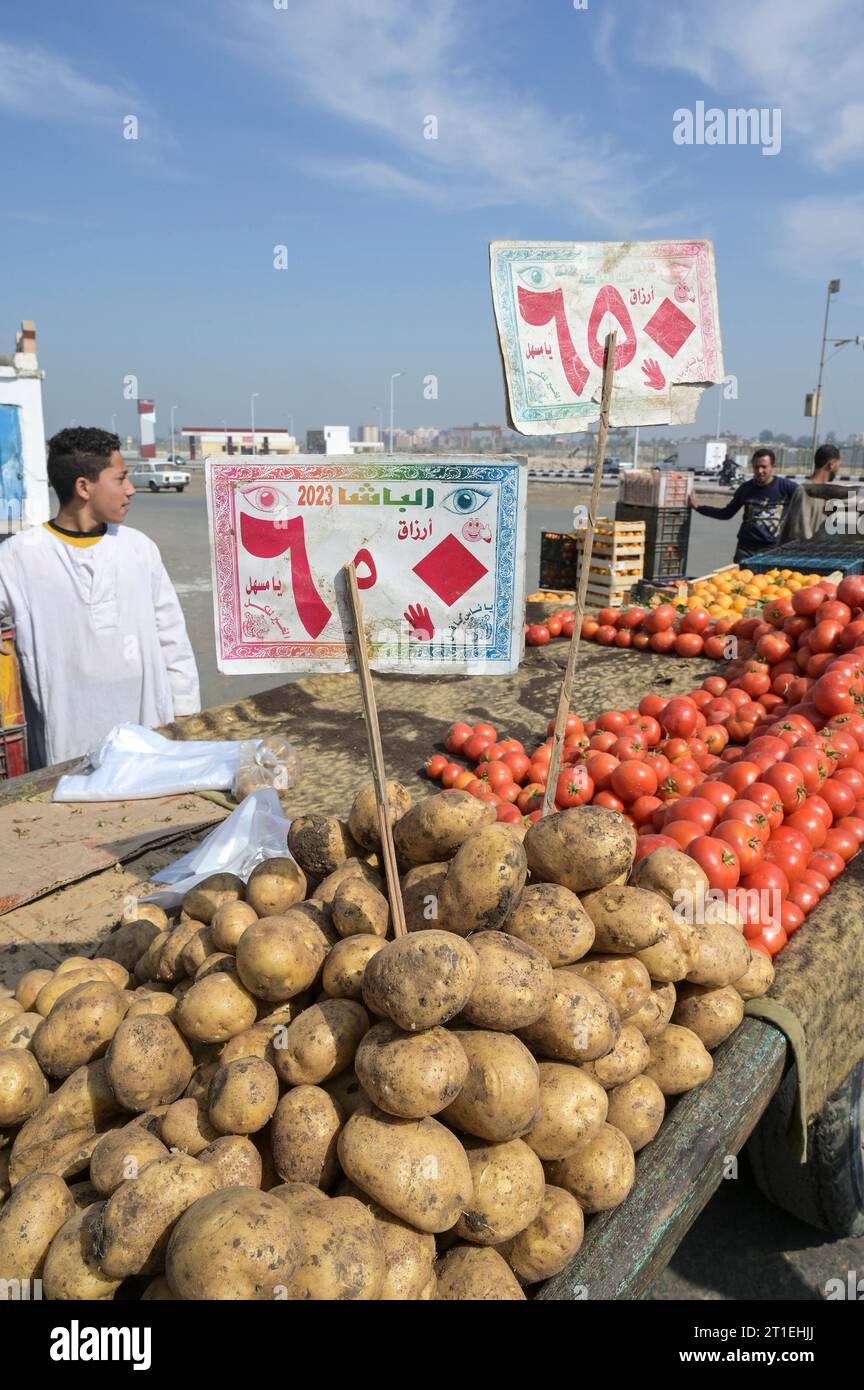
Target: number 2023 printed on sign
[555, 303]
[438, 545]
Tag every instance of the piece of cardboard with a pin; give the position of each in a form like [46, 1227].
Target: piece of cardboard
[46, 844]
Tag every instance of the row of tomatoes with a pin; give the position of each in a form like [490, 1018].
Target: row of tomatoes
[758, 775]
[665, 630]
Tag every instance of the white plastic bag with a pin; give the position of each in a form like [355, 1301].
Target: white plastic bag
[257, 830]
[134, 762]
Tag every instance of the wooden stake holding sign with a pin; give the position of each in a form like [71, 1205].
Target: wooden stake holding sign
[567, 683]
[376, 753]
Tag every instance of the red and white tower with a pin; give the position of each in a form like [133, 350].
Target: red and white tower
[147, 428]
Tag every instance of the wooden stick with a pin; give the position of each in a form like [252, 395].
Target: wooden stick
[376, 752]
[585, 563]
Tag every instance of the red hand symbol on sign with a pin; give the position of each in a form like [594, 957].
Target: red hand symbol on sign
[653, 373]
[609, 301]
[364, 557]
[418, 618]
[539, 307]
[267, 539]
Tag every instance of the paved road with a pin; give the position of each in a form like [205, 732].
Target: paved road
[741, 1247]
[177, 522]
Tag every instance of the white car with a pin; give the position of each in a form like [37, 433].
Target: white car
[158, 477]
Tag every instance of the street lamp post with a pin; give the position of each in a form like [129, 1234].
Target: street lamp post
[114, 422]
[392, 379]
[173, 408]
[252, 408]
[833, 287]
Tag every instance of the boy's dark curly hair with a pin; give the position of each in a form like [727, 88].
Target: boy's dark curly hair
[78, 452]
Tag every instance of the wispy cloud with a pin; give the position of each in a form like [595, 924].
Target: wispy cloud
[37, 83]
[821, 238]
[805, 56]
[384, 66]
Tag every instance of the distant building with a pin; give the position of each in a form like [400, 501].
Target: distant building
[336, 439]
[206, 441]
[369, 434]
[24, 496]
[147, 429]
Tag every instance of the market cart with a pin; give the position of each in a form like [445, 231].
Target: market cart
[790, 1076]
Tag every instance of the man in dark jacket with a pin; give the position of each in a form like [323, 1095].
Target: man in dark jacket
[765, 499]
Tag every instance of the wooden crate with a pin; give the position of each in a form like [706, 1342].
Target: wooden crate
[616, 542]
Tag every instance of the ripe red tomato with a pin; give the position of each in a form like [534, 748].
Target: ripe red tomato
[632, 779]
[554, 623]
[643, 808]
[791, 917]
[855, 824]
[530, 798]
[538, 635]
[677, 783]
[474, 747]
[688, 644]
[435, 765]
[718, 793]
[486, 731]
[496, 773]
[663, 640]
[518, 763]
[679, 718]
[660, 619]
[589, 628]
[717, 859]
[773, 936]
[741, 774]
[600, 767]
[715, 685]
[609, 800]
[693, 808]
[646, 844]
[613, 721]
[572, 725]
[826, 862]
[767, 877]
[683, 832]
[825, 636]
[457, 736]
[608, 617]
[641, 641]
[568, 622]
[652, 705]
[842, 842]
[806, 601]
[632, 617]
[777, 611]
[574, 787]
[695, 620]
[804, 896]
[813, 768]
[510, 745]
[629, 748]
[745, 840]
[450, 773]
[743, 809]
[660, 763]
[810, 824]
[602, 741]
[510, 815]
[839, 796]
[787, 856]
[788, 782]
[790, 835]
[851, 590]
[508, 791]
[768, 801]
[538, 772]
[815, 880]
[832, 610]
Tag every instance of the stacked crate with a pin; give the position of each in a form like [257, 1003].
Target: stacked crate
[617, 561]
[13, 733]
[667, 537]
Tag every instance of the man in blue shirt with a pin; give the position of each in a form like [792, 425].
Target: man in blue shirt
[765, 499]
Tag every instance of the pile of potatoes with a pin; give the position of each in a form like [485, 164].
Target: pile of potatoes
[269, 1098]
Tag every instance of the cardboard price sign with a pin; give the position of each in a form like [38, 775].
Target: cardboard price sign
[556, 301]
[438, 544]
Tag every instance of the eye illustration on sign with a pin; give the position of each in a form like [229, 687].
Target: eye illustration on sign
[464, 500]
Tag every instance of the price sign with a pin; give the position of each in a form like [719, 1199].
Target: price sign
[439, 547]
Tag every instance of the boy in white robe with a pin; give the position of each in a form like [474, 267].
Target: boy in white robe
[100, 634]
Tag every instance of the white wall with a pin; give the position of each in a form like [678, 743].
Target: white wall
[26, 392]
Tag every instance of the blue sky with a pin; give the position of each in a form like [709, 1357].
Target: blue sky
[303, 126]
